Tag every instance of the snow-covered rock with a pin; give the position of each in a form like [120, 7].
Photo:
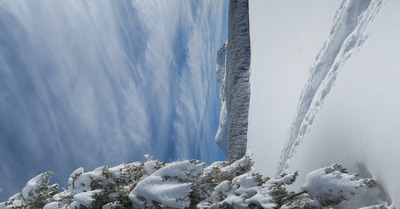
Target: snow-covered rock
[237, 87]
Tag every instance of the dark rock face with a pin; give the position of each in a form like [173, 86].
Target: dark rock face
[237, 89]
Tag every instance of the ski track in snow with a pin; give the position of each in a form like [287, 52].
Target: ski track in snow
[346, 37]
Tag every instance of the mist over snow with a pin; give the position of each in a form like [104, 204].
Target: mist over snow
[86, 83]
[324, 89]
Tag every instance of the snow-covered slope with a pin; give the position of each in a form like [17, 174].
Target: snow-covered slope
[348, 111]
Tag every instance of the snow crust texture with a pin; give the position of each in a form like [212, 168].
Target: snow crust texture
[237, 89]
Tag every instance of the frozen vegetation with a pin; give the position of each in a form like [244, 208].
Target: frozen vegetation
[191, 184]
[237, 87]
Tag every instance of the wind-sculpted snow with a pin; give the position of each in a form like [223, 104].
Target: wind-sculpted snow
[237, 89]
[221, 138]
[347, 36]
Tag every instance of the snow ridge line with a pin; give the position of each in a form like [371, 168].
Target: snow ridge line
[346, 38]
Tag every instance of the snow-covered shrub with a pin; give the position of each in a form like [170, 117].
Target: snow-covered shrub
[170, 186]
[334, 185]
[331, 186]
[105, 185]
[36, 194]
[190, 184]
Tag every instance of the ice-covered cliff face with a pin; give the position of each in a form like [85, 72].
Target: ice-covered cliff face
[341, 59]
[237, 89]
[221, 138]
